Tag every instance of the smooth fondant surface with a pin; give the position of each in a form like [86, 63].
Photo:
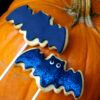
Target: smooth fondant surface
[38, 26]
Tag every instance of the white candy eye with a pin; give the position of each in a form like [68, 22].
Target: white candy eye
[51, 62]
[58, 65]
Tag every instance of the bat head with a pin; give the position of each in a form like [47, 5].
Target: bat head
[56, 62]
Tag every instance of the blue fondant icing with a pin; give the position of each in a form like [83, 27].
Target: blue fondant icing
[51, 71]
[38, 26]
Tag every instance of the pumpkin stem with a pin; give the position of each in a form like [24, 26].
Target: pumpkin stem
[82, 12]
[74, 11]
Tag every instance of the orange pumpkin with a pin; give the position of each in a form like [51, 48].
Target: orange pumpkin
[82, 52]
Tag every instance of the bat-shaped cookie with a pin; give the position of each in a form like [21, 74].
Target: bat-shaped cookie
[37, 28]
[51, 74]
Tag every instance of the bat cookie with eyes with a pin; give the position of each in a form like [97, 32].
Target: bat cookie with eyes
[51, 74]
[38, 29]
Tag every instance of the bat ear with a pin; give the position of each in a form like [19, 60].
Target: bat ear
[63, 64]
[50, 57]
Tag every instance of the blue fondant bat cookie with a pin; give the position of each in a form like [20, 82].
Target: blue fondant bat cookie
[39, 29]
[51, 74]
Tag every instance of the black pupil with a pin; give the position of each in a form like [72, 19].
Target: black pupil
[58, 64]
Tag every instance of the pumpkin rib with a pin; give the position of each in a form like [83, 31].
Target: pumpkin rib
[97, 23]
[96, 6]
[46, 3]
[25, 95]
[6, 44]
[90, 97]
[86, 53]
[85, 76]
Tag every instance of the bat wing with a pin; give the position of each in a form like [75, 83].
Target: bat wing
[38, 26]
[31, 58]
[73, 82]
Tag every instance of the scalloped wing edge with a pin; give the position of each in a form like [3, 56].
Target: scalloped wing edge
[52, 87]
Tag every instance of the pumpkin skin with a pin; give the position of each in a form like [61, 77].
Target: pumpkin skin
[81, 54]
[96, 9]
